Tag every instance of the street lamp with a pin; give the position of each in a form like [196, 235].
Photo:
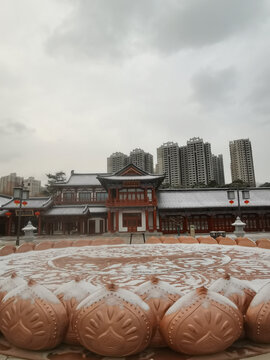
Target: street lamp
[245, 197]
[239, 225]
[20, 196]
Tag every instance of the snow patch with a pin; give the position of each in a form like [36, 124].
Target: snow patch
[230, 286]
[32, 293]
[193, 296]
[76, 289]
[114, 298]
[263, 296]
[160, 290]
[8, 284]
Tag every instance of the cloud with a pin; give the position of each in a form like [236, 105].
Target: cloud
[104, 29]
[213, 88]
[9, 127]
[259, 95]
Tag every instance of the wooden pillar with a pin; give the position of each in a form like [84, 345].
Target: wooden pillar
[109, 195]
[210, 223]
[155, 219]
[9, 226]
[39, 225]
[160, 223]
[117, 221]
[146, 220]
[109, 219]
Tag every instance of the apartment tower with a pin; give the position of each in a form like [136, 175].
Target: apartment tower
[242, 167]
[168, 162]
[218, 169]
[116, 162]
[199, 162]
[142, 159]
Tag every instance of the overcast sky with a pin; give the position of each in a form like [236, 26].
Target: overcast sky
[81, 79]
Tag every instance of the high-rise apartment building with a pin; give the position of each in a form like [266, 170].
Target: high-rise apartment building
[242, 167]
[199, 162]
[184, 166]
[168, 162]
[142, 159]
[116, 162]
[7, 183]
[137, 157]
[218, 169]
[33, 185]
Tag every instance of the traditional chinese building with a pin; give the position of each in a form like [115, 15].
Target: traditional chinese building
[130, 201]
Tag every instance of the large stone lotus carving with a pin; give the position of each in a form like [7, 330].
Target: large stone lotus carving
[201, 322]
[114, 322]
[32, 317]
[71, 294]
[258, 316]
[9, 283]
[238, 291]
[159, 295]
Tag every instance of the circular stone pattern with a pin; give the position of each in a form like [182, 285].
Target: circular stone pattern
[186, 266]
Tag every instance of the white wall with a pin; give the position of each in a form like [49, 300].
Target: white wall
[125, 229]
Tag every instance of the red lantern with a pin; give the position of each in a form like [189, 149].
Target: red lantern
[8, 214]
[17, 202]
[37, 213]
[24, 203]
[246, 201]
[231, 201]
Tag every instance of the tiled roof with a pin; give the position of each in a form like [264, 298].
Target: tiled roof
[82, 180]
[32, 203]
[4, 199]
[132, 178]
[209, 198]
[3, 212]
[67, 210]
[97, 210]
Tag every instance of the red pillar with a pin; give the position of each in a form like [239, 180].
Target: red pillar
[155, 219]
[117, 221]
[146, 220]
[210, 223]
[9, 226]
[109, 220]
[39, 225]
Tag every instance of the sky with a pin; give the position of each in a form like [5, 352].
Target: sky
[81, 79]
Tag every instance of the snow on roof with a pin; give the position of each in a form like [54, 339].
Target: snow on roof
[208, 198]
[3, 212]
[4, 199]
[32, 203]
[97, 209]
[83, 180]
[67, 210]
[132, 178]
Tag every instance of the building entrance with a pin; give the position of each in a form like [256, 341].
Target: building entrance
[132, 221]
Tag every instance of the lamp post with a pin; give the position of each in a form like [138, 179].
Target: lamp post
[20, 196]
[239, 225]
